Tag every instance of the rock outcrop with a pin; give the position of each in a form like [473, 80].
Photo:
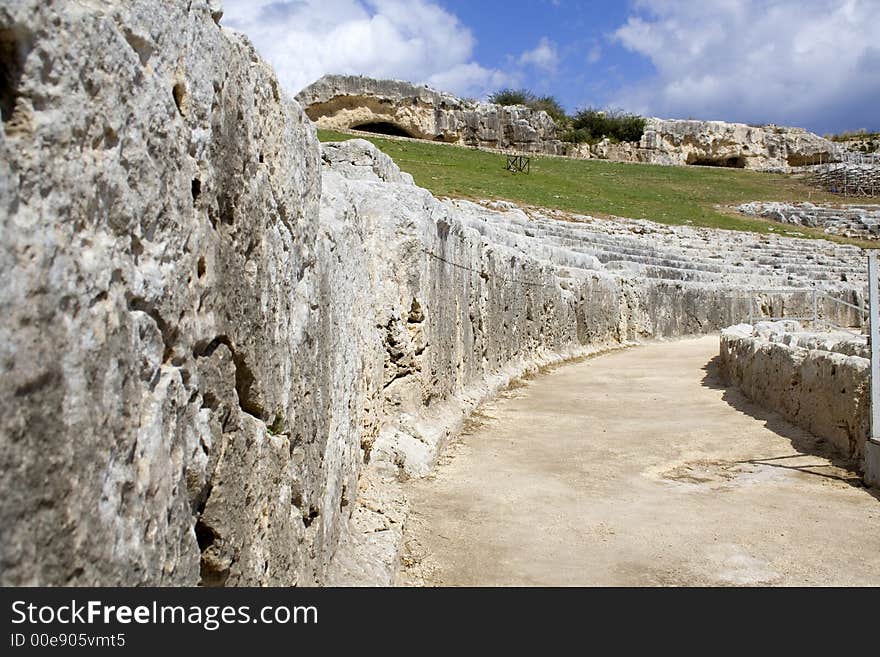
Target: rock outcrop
[345, 102]
[864, 144]
[717, 143]
[221, 345]
[394, 107]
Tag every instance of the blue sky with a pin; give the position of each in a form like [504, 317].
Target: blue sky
[809, 63]
[589, 65]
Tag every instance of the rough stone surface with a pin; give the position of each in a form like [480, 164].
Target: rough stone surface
[167, 414]
[343, 102]
[808, 378]
[717, 143]
[847, 220]
[221, 346]
[357, 159]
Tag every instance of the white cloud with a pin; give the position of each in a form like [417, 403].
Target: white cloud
[413, 40]
[800, 62]
[544, 56]
[470, 80]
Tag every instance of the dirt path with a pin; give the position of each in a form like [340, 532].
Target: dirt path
[639, 468]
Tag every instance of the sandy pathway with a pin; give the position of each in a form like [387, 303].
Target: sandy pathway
[638, 468]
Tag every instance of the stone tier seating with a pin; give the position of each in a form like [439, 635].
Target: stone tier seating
[857, 221]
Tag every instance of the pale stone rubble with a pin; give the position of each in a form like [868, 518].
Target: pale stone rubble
[222, 345]
[818, 380]
[858, 221]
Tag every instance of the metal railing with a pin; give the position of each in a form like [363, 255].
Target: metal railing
[861, 158]
[844, 157]
[872, 446]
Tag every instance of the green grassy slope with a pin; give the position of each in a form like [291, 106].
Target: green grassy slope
[699, 196]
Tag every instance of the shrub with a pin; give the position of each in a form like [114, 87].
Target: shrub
[512, 97]
[550, 105]
[577, 136]
[538, 103]
[861, 133]
[592, 125]
[589, 125]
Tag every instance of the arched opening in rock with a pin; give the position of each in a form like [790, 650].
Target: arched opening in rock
[734, 162]
[383, 128]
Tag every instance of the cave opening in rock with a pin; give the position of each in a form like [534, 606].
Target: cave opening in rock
[734, 162]
[383, 128]
[12, 54]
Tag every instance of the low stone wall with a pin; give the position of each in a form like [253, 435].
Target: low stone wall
[818, 381]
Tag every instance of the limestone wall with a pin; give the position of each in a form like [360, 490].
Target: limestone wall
[717, 143]
[158, 280]
[221, 345]
[819, 382]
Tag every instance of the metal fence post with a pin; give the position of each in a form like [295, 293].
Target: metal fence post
[815, 309]
[872, 447]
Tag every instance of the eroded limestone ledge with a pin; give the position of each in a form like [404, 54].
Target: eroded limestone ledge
[344, 102]
[221, 345]
[718, 143]
[818, 381]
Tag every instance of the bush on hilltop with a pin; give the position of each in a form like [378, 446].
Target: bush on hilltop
[588, 125]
